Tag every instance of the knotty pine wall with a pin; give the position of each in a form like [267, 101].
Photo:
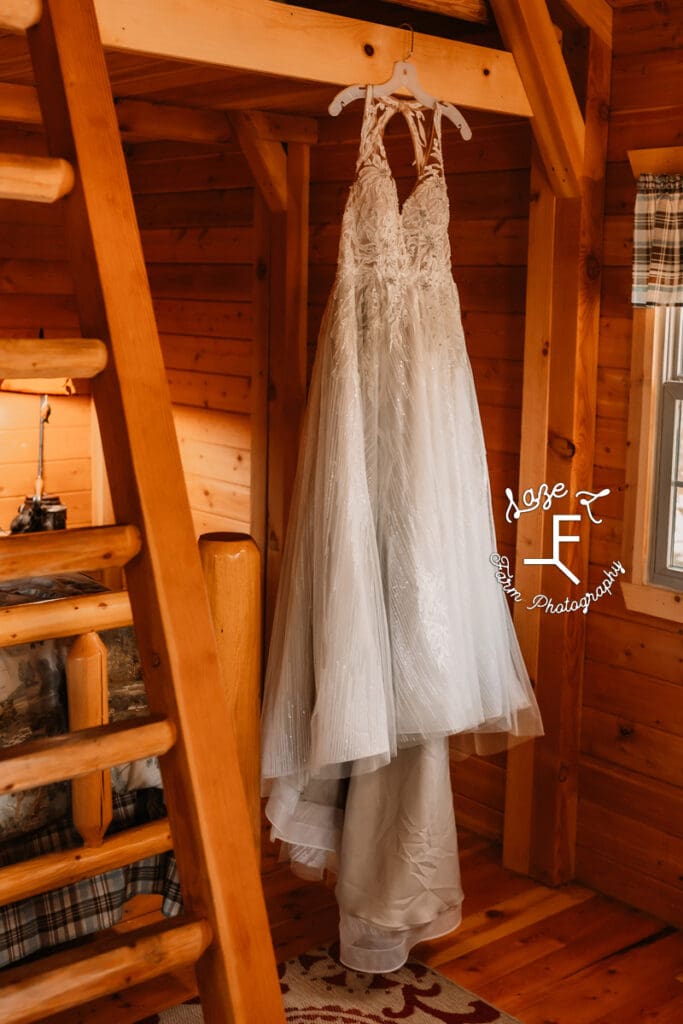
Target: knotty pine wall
[630, 819]
[195, 207]
[488, 182]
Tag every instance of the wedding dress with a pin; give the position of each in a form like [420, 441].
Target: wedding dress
[391, 632]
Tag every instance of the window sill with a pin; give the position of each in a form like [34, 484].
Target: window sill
[657, 601]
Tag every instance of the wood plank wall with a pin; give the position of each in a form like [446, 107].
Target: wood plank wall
[195, 206]
[630, 824]
[488, 182]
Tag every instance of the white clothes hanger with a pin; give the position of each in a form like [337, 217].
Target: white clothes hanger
[404, 76]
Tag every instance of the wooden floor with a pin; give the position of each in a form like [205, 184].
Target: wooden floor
[547, 956]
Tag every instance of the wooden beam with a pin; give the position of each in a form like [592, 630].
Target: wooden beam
[30, 358]
[33, 992]
[140, 119]
[164, 121]
[288, 357]
[557, 123]
[465, 10]
[595, 15]
[87, 548]
[34, 179]
[64, 867]
[67, 616]
[662, 160]
[55, 758]
[279, 39]
[267, 160]
[544, 845]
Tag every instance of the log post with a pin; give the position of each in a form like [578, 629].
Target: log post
[232, 572]
[88, 697]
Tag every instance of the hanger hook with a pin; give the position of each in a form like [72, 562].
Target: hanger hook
[411, 44]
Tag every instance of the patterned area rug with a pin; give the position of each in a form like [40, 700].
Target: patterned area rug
[318, 989]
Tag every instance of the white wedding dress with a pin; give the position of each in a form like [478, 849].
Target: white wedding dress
[391, 632]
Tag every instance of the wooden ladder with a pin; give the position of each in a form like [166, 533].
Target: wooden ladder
[224, 929]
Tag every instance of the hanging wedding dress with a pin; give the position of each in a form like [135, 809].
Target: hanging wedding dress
[391, 632]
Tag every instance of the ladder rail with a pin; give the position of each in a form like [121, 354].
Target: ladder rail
[204, 794]
[64, 867]
[72, 754]
[66, 616]
[67, 979]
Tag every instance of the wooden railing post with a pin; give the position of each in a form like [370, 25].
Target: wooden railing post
[88, 698]
[232, 572]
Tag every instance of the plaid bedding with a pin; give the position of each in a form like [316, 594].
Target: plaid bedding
[69, 913]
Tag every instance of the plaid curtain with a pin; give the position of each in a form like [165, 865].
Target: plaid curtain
[658, 241]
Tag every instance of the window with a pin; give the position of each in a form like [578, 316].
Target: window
[666, 541]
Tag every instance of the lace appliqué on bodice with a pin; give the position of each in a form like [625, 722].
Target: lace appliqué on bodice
[382, 235]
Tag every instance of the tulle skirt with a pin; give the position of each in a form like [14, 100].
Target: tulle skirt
[391, 632]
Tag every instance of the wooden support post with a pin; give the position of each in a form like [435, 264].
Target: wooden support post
[288, 357]
[531, 535]
[87, 693]
[232, 571]
[259, 375]
[543, 837]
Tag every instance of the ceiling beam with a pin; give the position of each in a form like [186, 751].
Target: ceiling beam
[279, 39]
[465, 10]
[557, 122]
[139, 119]
[595, 15]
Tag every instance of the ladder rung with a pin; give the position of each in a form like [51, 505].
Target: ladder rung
[31, 358]
[53, 870]
[67, 616]
[18, 15]
[35, 991]
[93, 547]
[34, 179]
[40, 762]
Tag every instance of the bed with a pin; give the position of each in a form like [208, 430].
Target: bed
[33, 705]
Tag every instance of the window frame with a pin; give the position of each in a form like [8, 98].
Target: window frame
[639, 591]
[668, 321]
